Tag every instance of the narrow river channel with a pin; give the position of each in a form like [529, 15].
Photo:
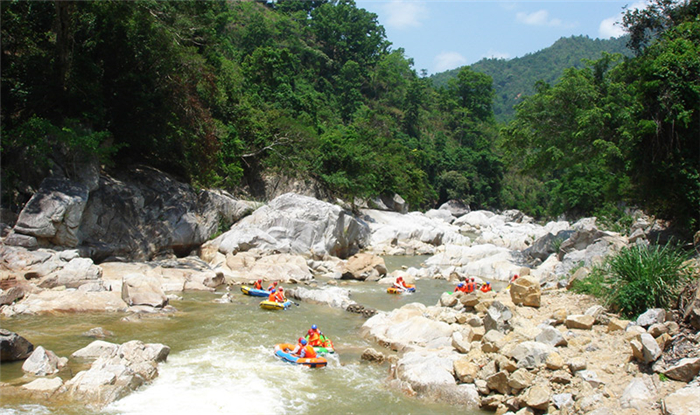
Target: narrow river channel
[221, 359]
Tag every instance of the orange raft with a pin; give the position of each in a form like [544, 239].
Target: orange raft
[283, 350]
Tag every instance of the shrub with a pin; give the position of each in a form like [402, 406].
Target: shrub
[639, 277]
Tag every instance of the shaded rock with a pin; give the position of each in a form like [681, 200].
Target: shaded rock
[448, 300]
[685, 370]
[684, 401]
[456, 207]
[371, 355]
[43, 362]
[577, 364]
[526, 291]
[12, 294]
[531, 354]
[498, 382]
[491, 342]
[645, 349]
[652, 316]
[498, 317]
[561, 376]
[54, 212]
[13, 346]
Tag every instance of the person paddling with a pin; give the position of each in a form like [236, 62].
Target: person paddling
[272, 286]
[279, 295]
[272, 297]
[314, 336]
[306, 350]
[461, 287]
[258, 285]
[400, 284]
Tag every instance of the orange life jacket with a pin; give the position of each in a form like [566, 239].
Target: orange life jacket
[470, 287]
[257, 285]
[462, 288]
[278, 296]
[486, 288]
[308, 352]
[272, 297]
[271, 286]
[314, 339]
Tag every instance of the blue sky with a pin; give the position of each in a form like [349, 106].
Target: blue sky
[442, 35]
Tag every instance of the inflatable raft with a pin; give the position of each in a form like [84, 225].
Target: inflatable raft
[273, 305]
[254, 291]
[325, 348]
[393, 290]
[283, 351]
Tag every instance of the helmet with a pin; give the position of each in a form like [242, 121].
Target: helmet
[259, 280]
[301, 339]
[461, 284]
[272, 290]
[281, 288]
[303, 342]
[275, 283]
[313, 327]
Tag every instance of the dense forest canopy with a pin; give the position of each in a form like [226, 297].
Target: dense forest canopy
[514, 79]
[220, 93]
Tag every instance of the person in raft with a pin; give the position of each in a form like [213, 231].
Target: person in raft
[258, 285]
[306, 350]
[400, 284]
[461, 287]
[486, 287]
[314, 336]
[272, 286]
[297, 348]
[279, 295]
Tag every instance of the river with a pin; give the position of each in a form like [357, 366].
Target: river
[221, 359]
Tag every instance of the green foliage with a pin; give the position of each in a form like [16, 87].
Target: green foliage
[514, 79]
[638, 278]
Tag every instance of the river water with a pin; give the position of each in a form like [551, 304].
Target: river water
[222, 362]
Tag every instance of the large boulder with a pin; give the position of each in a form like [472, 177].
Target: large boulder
[43, 362]
[245, 267]
[145, 290]
[431, 376]
[117, 373]
[335, 297]
[363, 267]
[76, 272]
[407, 328]
[144, 212]
[297, 225]
[498, 317]
[531, 354]
[53, 215]
[526, 291]
[13, 346]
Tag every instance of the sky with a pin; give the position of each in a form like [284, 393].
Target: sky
[445, 34]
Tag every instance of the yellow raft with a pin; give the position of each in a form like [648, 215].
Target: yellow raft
[409, 289]
[274, 305]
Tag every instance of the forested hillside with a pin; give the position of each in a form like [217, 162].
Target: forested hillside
[220, 93]
[513, 79]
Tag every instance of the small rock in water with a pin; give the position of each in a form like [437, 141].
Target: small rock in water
[98, 333]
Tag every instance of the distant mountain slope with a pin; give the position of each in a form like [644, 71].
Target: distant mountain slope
[515, 78]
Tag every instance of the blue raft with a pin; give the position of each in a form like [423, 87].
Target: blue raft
[254, 291]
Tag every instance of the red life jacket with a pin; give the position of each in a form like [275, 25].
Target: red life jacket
[314, 339]
[279, 297]
[486, 288]
[470, 287]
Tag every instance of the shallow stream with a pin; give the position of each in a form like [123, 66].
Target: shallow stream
[221, 359]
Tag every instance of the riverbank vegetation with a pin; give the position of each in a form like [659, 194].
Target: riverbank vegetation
[639, 277]
[221, 93]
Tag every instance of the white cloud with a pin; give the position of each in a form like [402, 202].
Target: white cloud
[540, 18]
[448, 60]
[612, 26]
[403, 14]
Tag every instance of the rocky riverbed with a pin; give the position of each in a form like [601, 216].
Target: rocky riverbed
[533, 348]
